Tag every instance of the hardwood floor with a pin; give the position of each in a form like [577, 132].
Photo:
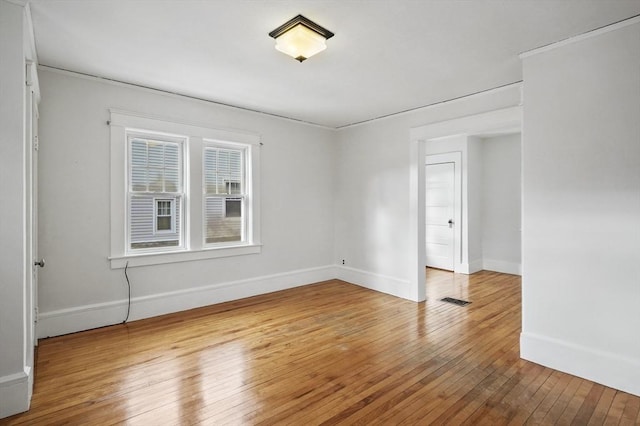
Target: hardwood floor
[328, 353]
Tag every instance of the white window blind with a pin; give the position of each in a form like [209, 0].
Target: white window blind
[224, 194]
[155, 198]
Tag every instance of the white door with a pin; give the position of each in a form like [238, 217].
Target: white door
[37, 261]
[439, 215]
[31, 127]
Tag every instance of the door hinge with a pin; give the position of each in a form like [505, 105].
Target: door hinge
[37, 313]
[28, 75]
[36, 143]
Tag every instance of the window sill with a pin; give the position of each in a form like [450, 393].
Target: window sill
[119, 262]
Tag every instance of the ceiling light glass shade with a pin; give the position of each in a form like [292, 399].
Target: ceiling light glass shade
[300, 38]
[300, 43]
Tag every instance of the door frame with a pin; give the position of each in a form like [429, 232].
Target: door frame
[493, 121]
[454, 157]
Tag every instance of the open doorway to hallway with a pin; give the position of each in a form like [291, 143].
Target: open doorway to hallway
[472, 203]
[467, 136]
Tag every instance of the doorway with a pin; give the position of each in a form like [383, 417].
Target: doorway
[494, 121]
[439, 215]
[442, 209]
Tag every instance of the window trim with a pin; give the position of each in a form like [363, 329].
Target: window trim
[123, 122]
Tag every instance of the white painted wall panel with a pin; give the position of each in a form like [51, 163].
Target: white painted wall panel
[475, 201]
[12, 179]
[581, 211]
[297, 198]
[501, 203]
[16, 349]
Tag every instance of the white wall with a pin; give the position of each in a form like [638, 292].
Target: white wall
[500, 203]
[373, 198]
[78, 290]
[581, 211]
[15, 347]
[475, 184]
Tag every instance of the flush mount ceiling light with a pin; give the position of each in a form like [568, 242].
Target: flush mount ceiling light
[300, 38]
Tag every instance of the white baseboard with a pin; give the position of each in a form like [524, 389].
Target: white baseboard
[86, 317]
[15, 393]
[468, 268]
[502, 266]
[382, 283]
[475, 266]
[606, 368]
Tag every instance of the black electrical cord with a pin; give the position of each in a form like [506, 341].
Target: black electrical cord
[129, 286]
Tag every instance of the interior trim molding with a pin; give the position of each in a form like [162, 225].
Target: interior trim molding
[505, 267]
[372, 281]
[602, 367]
[23, 3]
[155, 90]
[135, 119]
[475, 266]
[86, 317]
[509, 118]
[15, 392]
[580, 37]
[493, 90]
[71, 320]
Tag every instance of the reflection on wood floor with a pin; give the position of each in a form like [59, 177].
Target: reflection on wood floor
[327, 353]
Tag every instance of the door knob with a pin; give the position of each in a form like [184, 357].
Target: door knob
[450, 223]
[39, 263]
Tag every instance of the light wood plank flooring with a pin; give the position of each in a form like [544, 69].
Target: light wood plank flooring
[328, 353]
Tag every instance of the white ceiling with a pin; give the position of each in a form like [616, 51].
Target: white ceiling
[387, 56]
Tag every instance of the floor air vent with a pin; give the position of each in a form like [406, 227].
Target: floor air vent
[455, 301]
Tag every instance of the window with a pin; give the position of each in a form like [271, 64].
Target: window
[224, 193]
[155, 192]
[190, 192]
[165, 216]
[233, 207]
